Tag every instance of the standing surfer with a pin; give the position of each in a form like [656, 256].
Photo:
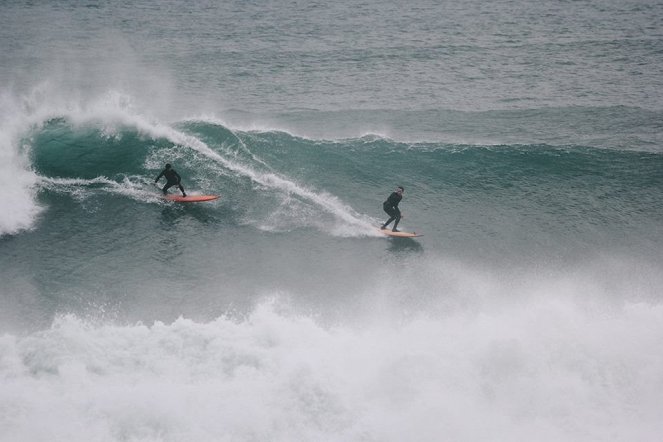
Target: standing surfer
[173, 178]
[391, 207]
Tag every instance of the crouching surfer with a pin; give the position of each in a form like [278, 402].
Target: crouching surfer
[391, 207]
[173, 179]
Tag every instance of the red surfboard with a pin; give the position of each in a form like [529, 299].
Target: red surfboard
[191, 198]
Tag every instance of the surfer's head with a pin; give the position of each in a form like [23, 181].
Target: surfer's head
[167, 165]
[400, 189]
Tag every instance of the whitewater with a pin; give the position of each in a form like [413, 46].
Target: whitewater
[528, 138]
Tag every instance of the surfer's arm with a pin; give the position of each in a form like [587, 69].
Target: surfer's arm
[159, 177]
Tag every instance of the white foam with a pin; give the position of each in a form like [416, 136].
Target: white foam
[17, 199]
[134, 187]
[540, 369]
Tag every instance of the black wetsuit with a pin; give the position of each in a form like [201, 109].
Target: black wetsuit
[391, 207]
[173, 179]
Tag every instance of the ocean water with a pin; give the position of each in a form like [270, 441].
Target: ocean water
[528, 137]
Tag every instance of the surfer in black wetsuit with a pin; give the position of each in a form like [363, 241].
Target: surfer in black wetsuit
[173, 179]
[391, 207]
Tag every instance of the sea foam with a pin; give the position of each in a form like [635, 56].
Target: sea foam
[539, 369]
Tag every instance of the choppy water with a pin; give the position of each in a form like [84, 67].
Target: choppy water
[528, 137]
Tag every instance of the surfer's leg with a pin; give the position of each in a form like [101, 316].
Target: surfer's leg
[392, 216]
[397, 217]
[182, 189]
[168, 185]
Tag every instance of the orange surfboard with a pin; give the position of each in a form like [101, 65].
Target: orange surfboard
[191, 198]
[388, 232]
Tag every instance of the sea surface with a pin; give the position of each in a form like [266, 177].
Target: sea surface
[528, 136]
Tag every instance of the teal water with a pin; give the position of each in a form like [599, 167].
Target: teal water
[528, 138]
